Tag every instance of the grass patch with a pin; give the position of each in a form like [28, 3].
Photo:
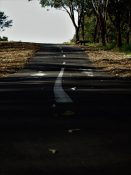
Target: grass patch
[14, 56]
[69, 43]
[111, 46]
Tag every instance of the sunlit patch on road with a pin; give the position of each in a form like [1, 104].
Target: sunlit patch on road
[38, 74]
[89, 74]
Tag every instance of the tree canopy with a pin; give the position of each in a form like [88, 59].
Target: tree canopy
[4, 22]
[72, 7]
[103, 20]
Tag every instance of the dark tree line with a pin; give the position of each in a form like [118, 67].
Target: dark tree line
[112, 21]
[120, 17]
[111, 18]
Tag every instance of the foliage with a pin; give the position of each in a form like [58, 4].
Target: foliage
[4, 22]
[4, 38]
[125, 48]
[89, 28]
[99, 21]
[73, 8]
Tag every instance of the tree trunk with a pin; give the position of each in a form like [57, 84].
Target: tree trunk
[83, 27]
[103, 30]
[119, 35]
[128, 38]
[77, 34]
[129, 28]
[119, 38]
[103, 36]
[96, 30]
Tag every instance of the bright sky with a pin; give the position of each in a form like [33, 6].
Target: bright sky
[33, 23]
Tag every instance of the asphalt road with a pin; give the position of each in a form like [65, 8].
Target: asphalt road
[62, 115]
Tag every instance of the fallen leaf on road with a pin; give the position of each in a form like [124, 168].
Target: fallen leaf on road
[54, 106]
[73, 130]
[73, 89]
[53, 151]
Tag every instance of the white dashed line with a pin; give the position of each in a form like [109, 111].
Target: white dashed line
[60, 95]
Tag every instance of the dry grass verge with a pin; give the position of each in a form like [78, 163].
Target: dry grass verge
[14, 55]
[116, 63]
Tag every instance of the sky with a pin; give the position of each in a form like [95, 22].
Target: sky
[32, 23]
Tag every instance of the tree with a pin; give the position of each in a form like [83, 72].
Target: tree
[73, 8]
[4, 22]
[119, 12]
[4, 38]
[100, 9]
[86, 12]
[115, 12]
[127, 20]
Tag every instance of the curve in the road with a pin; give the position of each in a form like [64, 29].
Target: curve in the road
[60, 95]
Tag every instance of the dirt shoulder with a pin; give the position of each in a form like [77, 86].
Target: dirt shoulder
[116, 63]
[14, 56]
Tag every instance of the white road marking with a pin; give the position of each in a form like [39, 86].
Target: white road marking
[89, 74]
[64, 63]
[60, 95]
[64, 56]
[39, 74]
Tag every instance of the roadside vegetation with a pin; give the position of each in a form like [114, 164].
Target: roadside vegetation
[14, 55]
[116, 62]
[111, 59]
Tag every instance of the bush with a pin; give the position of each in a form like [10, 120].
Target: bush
[110, 46]
[126, 48]
[4, 38]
